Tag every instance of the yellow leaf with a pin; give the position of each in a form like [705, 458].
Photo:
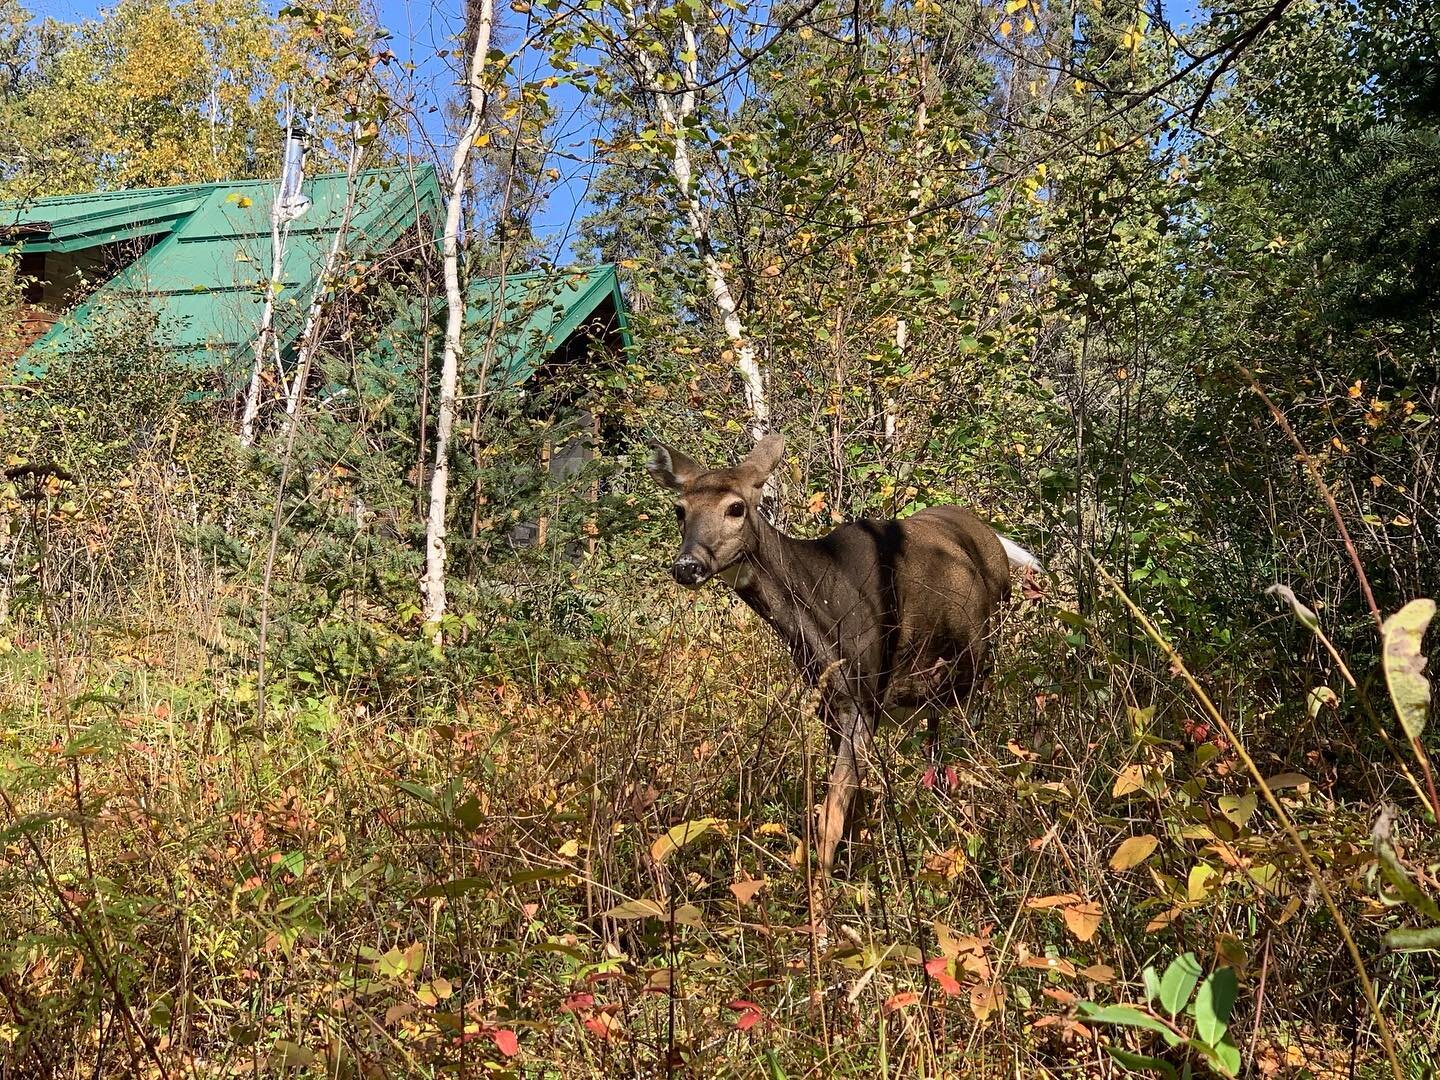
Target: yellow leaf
[986, 1000]
[483, 139]
[1133, 852]
[680, 835]
[1014, 6]
[1237, 809]
[1198, 883]
[1083, 920]
[1131, 779]
[1005, 28]
[569, 849]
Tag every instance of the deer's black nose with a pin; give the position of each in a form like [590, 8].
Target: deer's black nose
[688, 570]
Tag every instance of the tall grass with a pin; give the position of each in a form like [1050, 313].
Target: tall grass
[468, 880]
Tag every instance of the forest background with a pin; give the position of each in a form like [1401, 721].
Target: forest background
[1154, 290]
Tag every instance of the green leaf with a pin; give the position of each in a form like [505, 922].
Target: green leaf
[678, 836]
[1406, 940]
[637, 909]
[1213, 1004]
[1126, 1016]
[1150, 978]
[1178, 983]
[1132, 1060]
[1395, 873]
[526, 877]
[1224, 1056]
[1404, 661]
[1238, 808]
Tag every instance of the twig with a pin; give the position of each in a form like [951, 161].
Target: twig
[1259, 999]
[1321, 486]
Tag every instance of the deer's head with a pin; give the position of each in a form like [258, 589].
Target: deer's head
[716, 509]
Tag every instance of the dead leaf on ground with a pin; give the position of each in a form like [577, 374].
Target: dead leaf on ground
[745, 889]
[1049, 963]
[1161, 921]
[1041, 903]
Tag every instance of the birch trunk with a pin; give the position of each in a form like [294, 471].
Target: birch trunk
[265, 337]
[907, 264]
[432, 582]
[757, 402]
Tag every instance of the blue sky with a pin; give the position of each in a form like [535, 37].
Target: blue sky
[420, 32]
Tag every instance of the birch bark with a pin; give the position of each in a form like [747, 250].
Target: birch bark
[432, 582]
[676, 114]
[907, 262]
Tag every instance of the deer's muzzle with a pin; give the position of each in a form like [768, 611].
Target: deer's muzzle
[688, 570]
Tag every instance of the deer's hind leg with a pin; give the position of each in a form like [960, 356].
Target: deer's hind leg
[852, 732]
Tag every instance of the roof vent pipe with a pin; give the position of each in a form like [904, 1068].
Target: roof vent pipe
[290, 203]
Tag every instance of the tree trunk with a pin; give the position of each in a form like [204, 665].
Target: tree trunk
[265, 338]
[757, 402]
[432, 583]
[907, 263]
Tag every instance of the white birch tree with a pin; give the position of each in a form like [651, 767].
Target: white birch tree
[432, 582]
[677, 111]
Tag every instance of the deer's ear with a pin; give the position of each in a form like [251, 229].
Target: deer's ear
[670, 468]
[763, 459]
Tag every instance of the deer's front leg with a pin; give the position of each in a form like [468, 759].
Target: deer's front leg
[851, 732]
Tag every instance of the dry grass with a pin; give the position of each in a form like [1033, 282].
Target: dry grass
[362, 889]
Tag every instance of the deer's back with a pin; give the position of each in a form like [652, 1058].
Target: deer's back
[927, 588]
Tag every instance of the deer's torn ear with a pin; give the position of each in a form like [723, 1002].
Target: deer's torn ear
[766, 455]
[670, 468]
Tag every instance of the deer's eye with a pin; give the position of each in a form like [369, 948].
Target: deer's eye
[679, 512]
[735, 510]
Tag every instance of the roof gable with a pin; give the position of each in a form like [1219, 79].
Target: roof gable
[528, 317]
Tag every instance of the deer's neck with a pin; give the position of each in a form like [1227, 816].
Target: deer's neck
[780, 584]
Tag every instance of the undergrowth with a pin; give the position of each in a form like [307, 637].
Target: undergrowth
[516, 873]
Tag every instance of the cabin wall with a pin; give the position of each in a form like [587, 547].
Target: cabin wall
[54, 282]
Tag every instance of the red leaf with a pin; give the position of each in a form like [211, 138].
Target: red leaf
[900, 1000]
[741, 1005]
[575, 1002]
[937, 966]
[949, 985]
[748, 1019]
[598, 1027]
[505, 1041]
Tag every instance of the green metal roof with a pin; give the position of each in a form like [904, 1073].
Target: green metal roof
[540, 312]
[206, 276]
[205, 279]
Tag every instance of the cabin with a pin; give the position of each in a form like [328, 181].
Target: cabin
[196, 260]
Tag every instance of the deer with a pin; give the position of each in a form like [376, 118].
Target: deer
[886, 619]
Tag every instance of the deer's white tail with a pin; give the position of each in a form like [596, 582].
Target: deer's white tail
[1020, 559]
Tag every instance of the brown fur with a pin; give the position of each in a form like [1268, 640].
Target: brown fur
[884, 616]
